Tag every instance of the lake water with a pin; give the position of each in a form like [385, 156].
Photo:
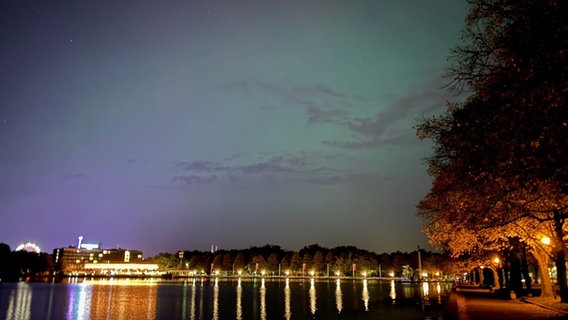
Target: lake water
[222, 299]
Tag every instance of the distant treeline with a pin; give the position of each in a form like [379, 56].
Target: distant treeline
[23, 265]
[273, 260]
[267, 259]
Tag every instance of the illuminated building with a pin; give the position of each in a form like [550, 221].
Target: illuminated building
[73, 260]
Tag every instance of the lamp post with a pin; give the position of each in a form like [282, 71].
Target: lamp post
[499, 281]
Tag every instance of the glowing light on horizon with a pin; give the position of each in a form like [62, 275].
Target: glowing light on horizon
[122, 266]
[29, 247]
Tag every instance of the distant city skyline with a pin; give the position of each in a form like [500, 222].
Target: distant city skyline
[168, 126]
[27, 246]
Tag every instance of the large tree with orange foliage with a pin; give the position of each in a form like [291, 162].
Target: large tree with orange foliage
[500, 156]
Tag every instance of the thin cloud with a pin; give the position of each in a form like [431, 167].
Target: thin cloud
[327, 176]
[319, 115]
[199, 166]
[376, 131]
[264, 168]
[193, 179]
[315, 99]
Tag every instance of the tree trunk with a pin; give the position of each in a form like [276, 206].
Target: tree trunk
[496, 279]
[546, 289]
[560, 257]
[516, 283]
[507, 274]
[561, 275]
[525, 269]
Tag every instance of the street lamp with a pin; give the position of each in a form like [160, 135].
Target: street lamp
[497, 273]
[545, 240]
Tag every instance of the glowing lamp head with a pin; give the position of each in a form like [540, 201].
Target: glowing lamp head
[545, 240]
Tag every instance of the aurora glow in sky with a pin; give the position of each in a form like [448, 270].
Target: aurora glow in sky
[172, 125]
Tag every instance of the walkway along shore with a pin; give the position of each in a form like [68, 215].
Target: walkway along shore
[483, 304]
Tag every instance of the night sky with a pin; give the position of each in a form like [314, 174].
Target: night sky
[171, 125]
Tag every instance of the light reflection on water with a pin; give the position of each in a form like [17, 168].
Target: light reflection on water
[19, 305]
[216, 299]
[393, 291]
[425, 290]
[192, 306]
[112, 298]
[262, 301]
[264, 298]
[365, 295]
[239, 300]
[338, 296]
[79, 302]
[287, 305]
[313, 297]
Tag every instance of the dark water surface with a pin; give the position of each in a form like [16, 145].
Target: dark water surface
[222, 299]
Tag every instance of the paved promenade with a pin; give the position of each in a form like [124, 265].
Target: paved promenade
[481, 304]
